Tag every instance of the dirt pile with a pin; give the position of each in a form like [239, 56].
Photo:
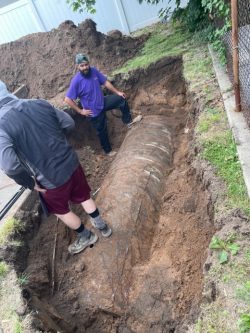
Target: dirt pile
[45, 61]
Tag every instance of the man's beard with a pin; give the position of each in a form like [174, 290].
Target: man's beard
[86, 74]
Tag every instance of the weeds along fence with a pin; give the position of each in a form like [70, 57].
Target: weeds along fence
[243, 15]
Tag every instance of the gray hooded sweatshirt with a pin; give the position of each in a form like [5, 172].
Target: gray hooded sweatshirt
[32, 137]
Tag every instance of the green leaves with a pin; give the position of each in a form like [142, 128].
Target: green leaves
[225, 247]
[82, 5]
[234, 248]
[223, 257]
[218, 8]
[216, 243]
[244, 323]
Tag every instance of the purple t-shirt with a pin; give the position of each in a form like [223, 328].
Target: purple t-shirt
[88, 90]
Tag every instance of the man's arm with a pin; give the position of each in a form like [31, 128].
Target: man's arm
[110, 87]
[11, 165]
[65, 121]
[75, 107]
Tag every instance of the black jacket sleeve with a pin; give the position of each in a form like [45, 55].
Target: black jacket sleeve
[11, 164]
[23, 179]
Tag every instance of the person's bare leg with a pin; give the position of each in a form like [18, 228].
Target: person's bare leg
[89, 206]
[71, 220]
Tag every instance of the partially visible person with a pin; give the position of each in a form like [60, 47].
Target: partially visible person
[86, 85]
[35, 153]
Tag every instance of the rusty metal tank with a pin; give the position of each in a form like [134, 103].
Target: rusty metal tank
[130, 200]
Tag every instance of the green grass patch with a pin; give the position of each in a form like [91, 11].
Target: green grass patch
[221, 152]
[3, 269]
[18, 326]
[163, 42]
[241, 271]
[215, 321]
[234, 276]
[199, 67]
[10, 301]
[198, 70]
[212, 122]
[208, 120]
[8, 227]
[235, 271]
[146, 30]
[23, 279]
[244, 323]
[244, 292]
[247, 255]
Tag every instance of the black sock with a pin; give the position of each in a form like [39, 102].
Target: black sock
[95, 213]
[83, 232]
[80, 229]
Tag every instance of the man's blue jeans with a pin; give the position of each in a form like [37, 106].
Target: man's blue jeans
[100, 122]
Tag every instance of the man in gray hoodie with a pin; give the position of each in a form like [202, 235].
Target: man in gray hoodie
[35, 153]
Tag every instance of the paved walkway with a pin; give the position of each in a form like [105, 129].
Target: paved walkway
[236, 120]
[7, 189]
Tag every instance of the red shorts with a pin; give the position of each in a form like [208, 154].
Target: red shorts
[75, 190]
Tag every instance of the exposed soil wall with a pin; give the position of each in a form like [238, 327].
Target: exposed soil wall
[147, 278]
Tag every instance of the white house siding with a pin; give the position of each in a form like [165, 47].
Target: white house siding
[17, 20]
[140, 15]
[28, 16]
[54, 12]
[4, 3]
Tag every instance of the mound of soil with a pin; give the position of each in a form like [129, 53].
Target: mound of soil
[45, 61]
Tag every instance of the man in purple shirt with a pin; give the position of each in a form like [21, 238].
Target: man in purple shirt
[86, 85]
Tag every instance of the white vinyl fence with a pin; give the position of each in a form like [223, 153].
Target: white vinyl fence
[28, 16]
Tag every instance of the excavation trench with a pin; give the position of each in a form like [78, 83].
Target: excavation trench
[147, 278]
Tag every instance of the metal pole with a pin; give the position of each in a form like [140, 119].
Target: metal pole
[235, 39]
[11, 202]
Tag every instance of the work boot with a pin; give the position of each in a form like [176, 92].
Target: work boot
[111, 154]
[82, 242]
[106, 231]
[134, 121]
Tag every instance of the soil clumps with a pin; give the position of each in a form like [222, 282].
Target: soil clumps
[45, 61]
[158, 292]
[162, 291]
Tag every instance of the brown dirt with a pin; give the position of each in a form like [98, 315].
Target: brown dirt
[163, 290]
[166, 288]
[45, 61]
